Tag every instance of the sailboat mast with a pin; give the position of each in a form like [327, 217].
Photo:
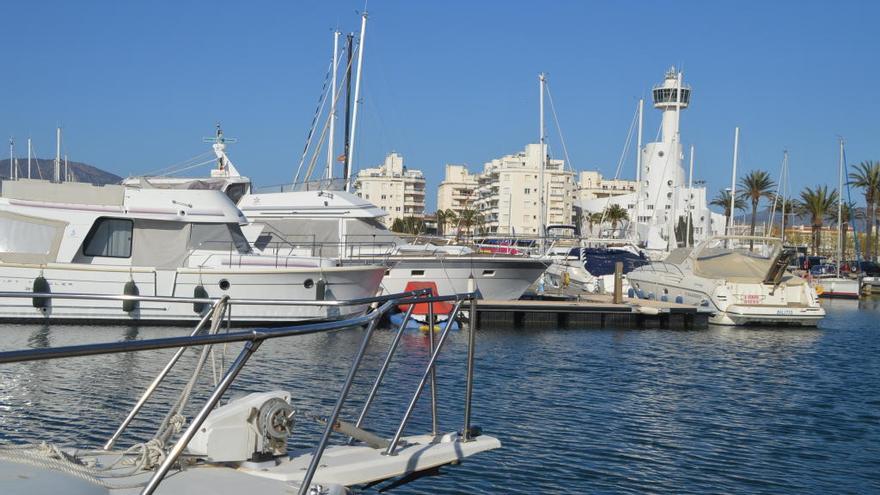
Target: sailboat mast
[784, 192]
[349, 39]
[11, 158]
[330, 143]
[357, 95]
[30, 152]
[687, 233]
[639, 143]
[542, 218]
[57, 172]
[733, 179]
[840, 208]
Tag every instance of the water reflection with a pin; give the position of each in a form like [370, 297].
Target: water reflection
[732, 410]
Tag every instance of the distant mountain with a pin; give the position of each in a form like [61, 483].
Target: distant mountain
[44, 169]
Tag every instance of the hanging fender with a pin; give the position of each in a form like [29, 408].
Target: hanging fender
[130, 289]
[41, 286]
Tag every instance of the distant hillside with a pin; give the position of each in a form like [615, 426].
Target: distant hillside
[44, 169]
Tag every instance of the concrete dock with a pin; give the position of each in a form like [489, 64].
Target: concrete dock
[591, 311]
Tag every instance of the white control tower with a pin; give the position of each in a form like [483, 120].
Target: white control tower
[662, 170]
[663, 198]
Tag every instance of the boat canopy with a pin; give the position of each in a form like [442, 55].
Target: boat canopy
[742, 259]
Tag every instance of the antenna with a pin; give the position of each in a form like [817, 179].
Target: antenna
[219, 141]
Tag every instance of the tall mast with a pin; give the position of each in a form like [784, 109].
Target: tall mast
[330, 143]
[688, 238]
[66, 169]
[11, 158]
[542, 218]
[784, 192]
[357, 95]
[733, 179]
[840, 208]
[30, 152]
[639, 143]
[349, 39]
[57, 171]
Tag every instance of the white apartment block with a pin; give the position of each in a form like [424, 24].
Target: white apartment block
[591, 185]
[392, 187]
[458, 191]
[508, 194]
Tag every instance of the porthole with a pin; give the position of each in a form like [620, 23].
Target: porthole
[309, 283]
[224, 284]
[660, 153]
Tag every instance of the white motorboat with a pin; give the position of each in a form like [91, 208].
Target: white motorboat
[337, 224]
[591, 268]
[80, 238]
[743, 279]
[241, 447]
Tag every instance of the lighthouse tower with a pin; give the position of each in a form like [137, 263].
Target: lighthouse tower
[662, 174]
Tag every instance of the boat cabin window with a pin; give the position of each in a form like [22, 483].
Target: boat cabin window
[109, 237]
[218, 236]
[29, 240]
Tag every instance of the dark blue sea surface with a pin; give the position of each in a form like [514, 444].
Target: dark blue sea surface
[723, 410]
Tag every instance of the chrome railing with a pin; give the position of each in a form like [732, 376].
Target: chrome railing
[253, 339]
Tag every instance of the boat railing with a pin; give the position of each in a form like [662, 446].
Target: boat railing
[221, 311]
[288, 253]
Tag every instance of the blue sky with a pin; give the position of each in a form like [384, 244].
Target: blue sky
[136, 85]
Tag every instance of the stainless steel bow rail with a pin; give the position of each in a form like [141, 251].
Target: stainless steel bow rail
[254, 338]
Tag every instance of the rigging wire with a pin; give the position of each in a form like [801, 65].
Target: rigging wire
[172, 168]
[319, 109]
[558, 127]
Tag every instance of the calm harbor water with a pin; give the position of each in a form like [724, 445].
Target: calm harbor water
[724, 410]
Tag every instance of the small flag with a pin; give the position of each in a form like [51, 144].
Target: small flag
[341, 158]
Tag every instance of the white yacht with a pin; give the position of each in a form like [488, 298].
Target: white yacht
[115, 240]
[591, 267]
[743, 279]
[337, 224]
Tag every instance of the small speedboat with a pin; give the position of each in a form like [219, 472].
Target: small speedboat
[742, 279]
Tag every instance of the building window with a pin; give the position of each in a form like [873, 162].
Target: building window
[528, 191]
[383, 196]
[110, 237]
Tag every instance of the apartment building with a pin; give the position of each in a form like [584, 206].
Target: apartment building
[591, 185]
[508, 193]
[394, 188]
[458, 190]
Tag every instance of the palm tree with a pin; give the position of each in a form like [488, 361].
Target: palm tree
[722, 200]
[441, 221]
[596, 218]
[614, 214]
[756, 185]
[591, 219]
[469, 218]
[450, 216]
[867, 177]
[817, 203]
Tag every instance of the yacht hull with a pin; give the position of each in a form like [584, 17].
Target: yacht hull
[267, 285]
[496, 278]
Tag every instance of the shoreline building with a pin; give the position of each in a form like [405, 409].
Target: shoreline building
[591, 185]
[458, 190]
[662, 199]
[508, 195]
[393, 188]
